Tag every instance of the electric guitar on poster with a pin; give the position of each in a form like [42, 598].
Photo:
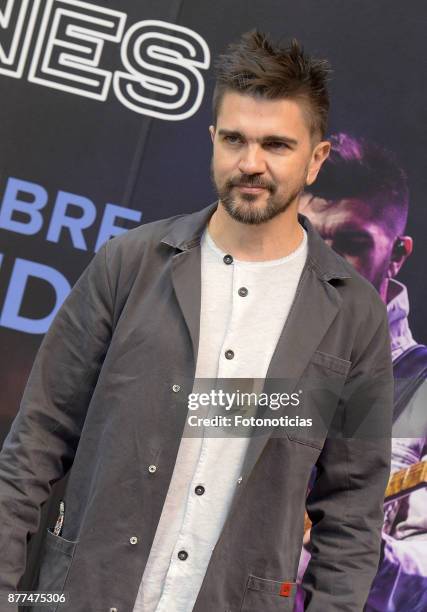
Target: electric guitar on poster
[401, 483]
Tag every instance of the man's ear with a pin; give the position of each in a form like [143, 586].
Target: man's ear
[212, 132]
[402, 248]
[319, 155]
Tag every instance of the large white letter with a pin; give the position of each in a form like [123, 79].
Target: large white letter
[149, 86]
[16, 29]
[70, 45]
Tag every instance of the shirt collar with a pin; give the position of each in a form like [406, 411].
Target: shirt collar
[187, 230]
[397, 311]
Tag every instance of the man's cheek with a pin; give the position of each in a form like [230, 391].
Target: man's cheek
[358, 263]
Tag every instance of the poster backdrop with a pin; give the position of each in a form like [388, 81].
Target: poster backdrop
[104, 125]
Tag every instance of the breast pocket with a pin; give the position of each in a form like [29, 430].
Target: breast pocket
[318, 392]
[266, 595]
[55, 563]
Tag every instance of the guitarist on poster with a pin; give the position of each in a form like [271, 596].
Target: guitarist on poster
[360, 206]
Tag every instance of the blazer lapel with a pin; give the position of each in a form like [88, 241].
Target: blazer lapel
[187, 284]
[184, 236]
[314, 308]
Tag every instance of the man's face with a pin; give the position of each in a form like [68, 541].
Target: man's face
[351, 229]
[263, 156]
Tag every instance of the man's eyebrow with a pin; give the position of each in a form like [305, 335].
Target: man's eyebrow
[270, 138]
[279, 138]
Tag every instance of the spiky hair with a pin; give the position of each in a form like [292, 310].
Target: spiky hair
[256, 66]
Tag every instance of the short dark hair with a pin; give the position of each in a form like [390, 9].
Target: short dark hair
[256, 66]
[360, 168]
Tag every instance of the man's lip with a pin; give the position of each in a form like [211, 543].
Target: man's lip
[250, 188]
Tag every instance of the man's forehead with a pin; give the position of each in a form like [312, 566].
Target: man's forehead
[259, 117]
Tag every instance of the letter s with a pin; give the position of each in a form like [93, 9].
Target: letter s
[151, 88]
[295, 399]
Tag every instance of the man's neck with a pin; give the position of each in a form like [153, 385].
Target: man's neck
[271, 240]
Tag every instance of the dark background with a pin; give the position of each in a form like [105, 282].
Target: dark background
[108, 153]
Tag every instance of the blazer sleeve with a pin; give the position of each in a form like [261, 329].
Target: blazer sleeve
[345, 503]
[41, 444]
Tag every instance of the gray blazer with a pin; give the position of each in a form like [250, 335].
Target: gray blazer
[106, 397]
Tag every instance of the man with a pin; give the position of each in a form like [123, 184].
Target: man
[243, 289]
[360, 207]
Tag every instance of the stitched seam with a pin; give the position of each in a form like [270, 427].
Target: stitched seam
[106, 273]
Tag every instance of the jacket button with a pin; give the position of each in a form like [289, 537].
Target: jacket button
[243, 292]
[176, 388]
[152, 468]
[133, 540]
[239, 480]
[229, 354]
[199, 490]
[113, 610]
[183, 554]
[227, 259]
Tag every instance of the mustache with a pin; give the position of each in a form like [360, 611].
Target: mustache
[246, 180]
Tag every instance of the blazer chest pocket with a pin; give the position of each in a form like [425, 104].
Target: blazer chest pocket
[263, 595]
[56, 561]
[319, 390]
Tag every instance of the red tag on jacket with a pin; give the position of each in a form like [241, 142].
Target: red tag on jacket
[285, 589]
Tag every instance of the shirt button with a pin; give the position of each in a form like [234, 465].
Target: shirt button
[229, 354]
[227, 259]
[176, 388]
[243, 292]
[183, 554]
[199, 490]
[133, 540]
[152, 468]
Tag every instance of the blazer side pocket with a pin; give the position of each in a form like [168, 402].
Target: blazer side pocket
[55, 563]
[268, 595]
[320, 389]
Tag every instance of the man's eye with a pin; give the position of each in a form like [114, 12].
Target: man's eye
[277, 145]
[232, 139]
[352, 246]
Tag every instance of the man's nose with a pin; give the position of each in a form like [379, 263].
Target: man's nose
[252, 160]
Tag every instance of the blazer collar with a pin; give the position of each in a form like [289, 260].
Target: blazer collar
[187, 230]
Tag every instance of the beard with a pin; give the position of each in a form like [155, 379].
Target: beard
[241, 207]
